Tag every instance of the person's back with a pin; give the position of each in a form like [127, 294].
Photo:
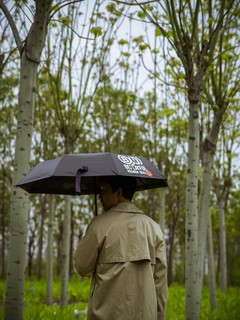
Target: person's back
[124, 251]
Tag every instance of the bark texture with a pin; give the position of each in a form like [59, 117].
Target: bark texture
[191, 239]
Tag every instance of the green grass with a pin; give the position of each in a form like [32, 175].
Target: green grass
[36, 308]
[35, 298]
[228, 306]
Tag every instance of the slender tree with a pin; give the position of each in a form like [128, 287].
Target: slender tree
[9, 74]
[220, 91]
[194, 42]
[7, 133]
[30, 52]
[222, 182]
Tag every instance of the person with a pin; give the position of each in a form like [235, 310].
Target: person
[124, 251]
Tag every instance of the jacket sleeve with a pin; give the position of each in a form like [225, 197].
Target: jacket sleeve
[160, 278]
[86, 254]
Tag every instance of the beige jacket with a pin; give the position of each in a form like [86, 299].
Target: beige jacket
[124, 251]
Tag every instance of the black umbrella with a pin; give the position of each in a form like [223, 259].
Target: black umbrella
[79, 173]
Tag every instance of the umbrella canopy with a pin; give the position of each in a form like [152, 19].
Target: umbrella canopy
[79, 173]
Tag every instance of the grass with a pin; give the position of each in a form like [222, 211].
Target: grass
[36, 308]
[228, 306]
[35, 300]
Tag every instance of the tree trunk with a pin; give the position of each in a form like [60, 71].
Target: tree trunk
[30, 58]
[172, 228]
[211, 268]
[162, 209]
[49, 263]
[65, 251]
[59, 247]
[204, 210]
[209, 149]
[208, 154]
[191, 238]
[222, 241]
[19, 204]
[71, 246]
[222, 191]
[30, 254]
[170, 257]
[3, 228]
[40, 238]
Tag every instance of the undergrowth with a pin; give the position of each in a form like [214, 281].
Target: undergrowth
[36, 308]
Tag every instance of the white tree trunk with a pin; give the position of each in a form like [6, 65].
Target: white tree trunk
[204, 213]
[223, 251]
[209, 148]
[20, 204]
[30, 58]
[66, 251]
[49, 268]
[211, 268]
[40, 237]
[162, 208]
[191, 238]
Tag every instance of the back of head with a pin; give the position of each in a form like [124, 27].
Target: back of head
[127, 184]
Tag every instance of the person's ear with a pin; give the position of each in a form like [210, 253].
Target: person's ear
[119, 192]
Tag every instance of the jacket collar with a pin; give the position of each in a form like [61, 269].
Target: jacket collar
[126, 206]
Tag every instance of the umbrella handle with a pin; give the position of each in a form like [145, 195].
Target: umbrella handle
[78, 179]
[95, 197]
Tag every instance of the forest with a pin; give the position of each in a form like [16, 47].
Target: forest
[158, 79]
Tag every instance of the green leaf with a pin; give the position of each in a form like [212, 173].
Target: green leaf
[121, 42]
[138, 39]
[158, 32]
[126, 54]
[155, 51]
[53, 24]
[65, 20]
[167, 112]
[111, 7]
[141, 14]
[96, 31]
[143, 47]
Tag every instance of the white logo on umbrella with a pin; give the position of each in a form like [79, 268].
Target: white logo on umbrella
[130, 160]
[134, 165]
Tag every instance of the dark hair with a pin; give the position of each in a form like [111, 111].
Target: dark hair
[127, 184]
